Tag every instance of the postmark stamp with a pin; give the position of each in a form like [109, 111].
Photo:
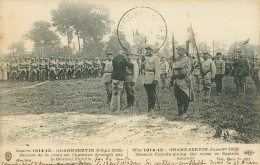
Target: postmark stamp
[141, 27]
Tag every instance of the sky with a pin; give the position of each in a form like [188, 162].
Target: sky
[224, 21]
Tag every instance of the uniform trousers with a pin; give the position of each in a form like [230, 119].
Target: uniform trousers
[218, 81]
[130, 93]
[150, 90]
[182, 100]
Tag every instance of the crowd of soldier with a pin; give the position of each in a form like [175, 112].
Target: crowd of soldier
[41, 69]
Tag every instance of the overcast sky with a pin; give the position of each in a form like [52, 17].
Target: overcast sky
[226, 21]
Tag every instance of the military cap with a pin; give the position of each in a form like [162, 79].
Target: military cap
[218, 53]
[109, 53]
[180, 47]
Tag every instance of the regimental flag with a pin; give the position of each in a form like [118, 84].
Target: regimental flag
[191, 43]
[245, 42]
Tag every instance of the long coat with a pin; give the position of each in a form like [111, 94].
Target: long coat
[183, 66]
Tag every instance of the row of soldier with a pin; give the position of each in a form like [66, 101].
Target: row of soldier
[49, 68]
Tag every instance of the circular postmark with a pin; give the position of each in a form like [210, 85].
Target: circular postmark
[8, 156]
[141, 27]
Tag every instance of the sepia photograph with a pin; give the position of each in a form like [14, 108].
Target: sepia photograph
[77, 74]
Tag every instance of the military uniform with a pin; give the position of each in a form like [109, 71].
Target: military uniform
[183, 90]
[220, 72]
[53, 67]
[60, 69]
[106, 79]
[3, 70]
[22, 70]
[70, 65]
[42, 67]
[13, 70]
[118, 77]
[33, 71]
[131, 78]
[164, 66]
[151, 77]
[208, 70]
[241, 70]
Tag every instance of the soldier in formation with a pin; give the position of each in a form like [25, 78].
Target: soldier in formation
[41, 69]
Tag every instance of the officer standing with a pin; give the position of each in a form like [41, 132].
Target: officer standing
[197, 74]
[151, 77]
[241, 70]
[220, 72]
[118, 77]
[164, 66]
[106, 79]
[182, 81]
[208, 70]
[131, 78]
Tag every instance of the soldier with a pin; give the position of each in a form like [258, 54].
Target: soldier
[33, 71]
[220, 72]
[151, 77]
[241, 70]
[106, 79]
[22, 69]
[28, 63]
[131, 78]
[53, 67]
[182, 81]
[70, 66]
[13, 69]
[42, 68]
[197, 74]
[96, 67]
[60, 68]
[118, 76]
[3, 70]
[164, 71]
[78, 68]
[47, 68]
[255, 76]
[208, 70]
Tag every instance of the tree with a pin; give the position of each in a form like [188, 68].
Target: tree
[247, 49]
[17, 48]
[63, 20]
[45, 40]
[87, 21]
[113, 44]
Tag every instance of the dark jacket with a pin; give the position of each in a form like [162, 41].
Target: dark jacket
[119, 67]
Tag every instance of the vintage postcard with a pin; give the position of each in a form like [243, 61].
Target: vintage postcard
[129, 82]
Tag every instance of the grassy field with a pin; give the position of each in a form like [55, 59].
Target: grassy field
[88, 96]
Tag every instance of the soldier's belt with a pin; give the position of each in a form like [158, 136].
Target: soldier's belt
[149, 70]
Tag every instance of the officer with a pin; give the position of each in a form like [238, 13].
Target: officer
[78, 68]
[106, 79]
[182, 81]
[208, 70]
[118, 76]
[220, 72]
[131, 78]
[241, 70]
[151, 77]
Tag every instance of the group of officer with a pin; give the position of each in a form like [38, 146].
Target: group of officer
[41, 69]
[121, 72]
